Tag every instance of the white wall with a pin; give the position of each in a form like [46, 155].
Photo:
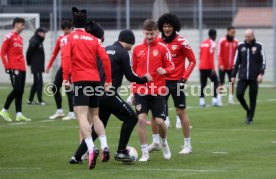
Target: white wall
[262, 35]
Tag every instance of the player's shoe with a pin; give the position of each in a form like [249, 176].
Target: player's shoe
[248, 121]
[145, 157]
[202, 102]
[166, 151]
[57, 115]
[215, 102]
[31, 102]
[167, 122]
[123, 156]
[85, 156]
[22, 118]
[42, 103]
[73, 160]
[154, 147]
[187, 149]
[105, 154]
[178, 123]
[5, 115]
[70, 116]
[93, 158]
[231, 100]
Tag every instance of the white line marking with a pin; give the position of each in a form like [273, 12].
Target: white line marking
[18, 123]
[220, 152]
[174, 170]
[273, 142]
[20, 168]
[48, 120]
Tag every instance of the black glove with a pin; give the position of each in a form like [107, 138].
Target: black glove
[182, 82]
[8, 71]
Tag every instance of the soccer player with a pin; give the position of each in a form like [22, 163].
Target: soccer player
[66, 27]
[114, 104]
[226, 52]
[250, 62]
[14, 64]
[35, 59]
[154, 58]
[180, 49]
[207, 67]
[79, 60]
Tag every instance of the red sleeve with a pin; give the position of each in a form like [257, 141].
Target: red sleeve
[188, 52]
[106, 62]
[212, 52]
[220, 59]
[167, 60]
[134, 61]
[54, 54]
[66, 58]
[4, 51]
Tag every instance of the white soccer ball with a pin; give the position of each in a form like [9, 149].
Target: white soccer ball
[132, 153]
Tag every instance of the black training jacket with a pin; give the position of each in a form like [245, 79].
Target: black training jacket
[250, 61]
[120, 66]
[35, 54]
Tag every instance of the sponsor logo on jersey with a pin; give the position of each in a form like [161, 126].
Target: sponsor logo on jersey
[111, 52]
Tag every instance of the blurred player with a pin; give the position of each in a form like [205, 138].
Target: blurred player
[207, 67]
[180, 49]
[35, 59]
[226, 52]
[154, 58]
[66, 27]
[114, 104]
[250, 62]
[79, 59]
[14, 64]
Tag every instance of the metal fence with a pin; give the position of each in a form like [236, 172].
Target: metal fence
[196, 17]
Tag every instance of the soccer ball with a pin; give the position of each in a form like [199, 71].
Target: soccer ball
[132, 153]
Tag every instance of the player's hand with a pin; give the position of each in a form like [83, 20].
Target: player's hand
[148, 76]
[66, 84]
[233, 80]
[260, 78]
[107, 86]
[47, 70]
[221, 67]
[161, 71]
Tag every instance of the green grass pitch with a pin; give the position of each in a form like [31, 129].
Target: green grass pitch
[223, 146]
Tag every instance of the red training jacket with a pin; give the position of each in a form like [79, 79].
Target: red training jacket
[207, 50]
[180, 50]
[12, 52]
[226, 53]
[58, 46]
[146, 59]
[79, 57]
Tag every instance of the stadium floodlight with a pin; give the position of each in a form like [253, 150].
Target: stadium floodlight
[32, 20]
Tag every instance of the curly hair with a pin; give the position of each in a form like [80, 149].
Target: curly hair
[169, 18]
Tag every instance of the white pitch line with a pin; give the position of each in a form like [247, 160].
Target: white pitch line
[220, 152]
[237, 130]
[48, 120]
[174, 170]
[20, 168]
[273, 142]
[18, 123]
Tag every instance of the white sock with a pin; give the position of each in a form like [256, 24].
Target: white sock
[103, 141]
[156, 138]
[60, 110]
[144, 148]
[89, 143]
[19, 114]
[231, 97]
[164, 141]
[214, 100]
[4, 110]
[167, 118]
[187, 141]
[219, 97]
[201, 101]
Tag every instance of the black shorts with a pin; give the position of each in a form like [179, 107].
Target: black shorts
[179, 97]
[84, 96]
[222, 75]
[157, 105]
